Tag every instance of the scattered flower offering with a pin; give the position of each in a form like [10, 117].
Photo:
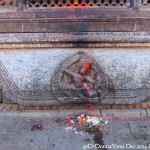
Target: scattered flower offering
[81, 123]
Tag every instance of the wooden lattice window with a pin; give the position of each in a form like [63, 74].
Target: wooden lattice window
[7, 3]
[77, 3]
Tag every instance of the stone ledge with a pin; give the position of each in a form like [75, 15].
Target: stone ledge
[143, 108]
[61, 113]
[74, 39]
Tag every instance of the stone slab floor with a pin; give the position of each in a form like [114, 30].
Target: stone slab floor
[127, 129]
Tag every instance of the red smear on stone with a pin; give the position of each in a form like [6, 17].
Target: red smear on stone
[91, 92]
[68, 120]
[87, 87]
[86, 66]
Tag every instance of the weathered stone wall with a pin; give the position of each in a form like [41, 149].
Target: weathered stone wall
[28, 69]
[32, 69]
[40, 41]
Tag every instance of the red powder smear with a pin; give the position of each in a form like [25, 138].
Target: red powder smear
[86, 66]
[91, 92]
[87, 87]
[68, 120]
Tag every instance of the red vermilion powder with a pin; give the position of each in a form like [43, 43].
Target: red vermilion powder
[86, 66]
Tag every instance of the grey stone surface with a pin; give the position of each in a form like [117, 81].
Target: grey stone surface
[26, 76]
[132, 133]
[33, 69]
[63, 40]
[123, 129]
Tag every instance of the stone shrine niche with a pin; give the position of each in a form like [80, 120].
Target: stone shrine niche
[79, 77]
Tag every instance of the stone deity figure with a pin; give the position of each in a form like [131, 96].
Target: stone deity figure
[82, 78]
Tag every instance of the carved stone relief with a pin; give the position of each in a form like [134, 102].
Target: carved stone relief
[79, 77]
[76, 80]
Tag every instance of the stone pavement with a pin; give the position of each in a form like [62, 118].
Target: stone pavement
[127, 129]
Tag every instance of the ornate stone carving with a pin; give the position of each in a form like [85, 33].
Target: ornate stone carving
[79, 77]
[66, 82]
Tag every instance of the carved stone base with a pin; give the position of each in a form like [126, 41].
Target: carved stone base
[56, 76]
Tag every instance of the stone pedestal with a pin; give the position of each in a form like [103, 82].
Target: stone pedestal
[81, 52]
